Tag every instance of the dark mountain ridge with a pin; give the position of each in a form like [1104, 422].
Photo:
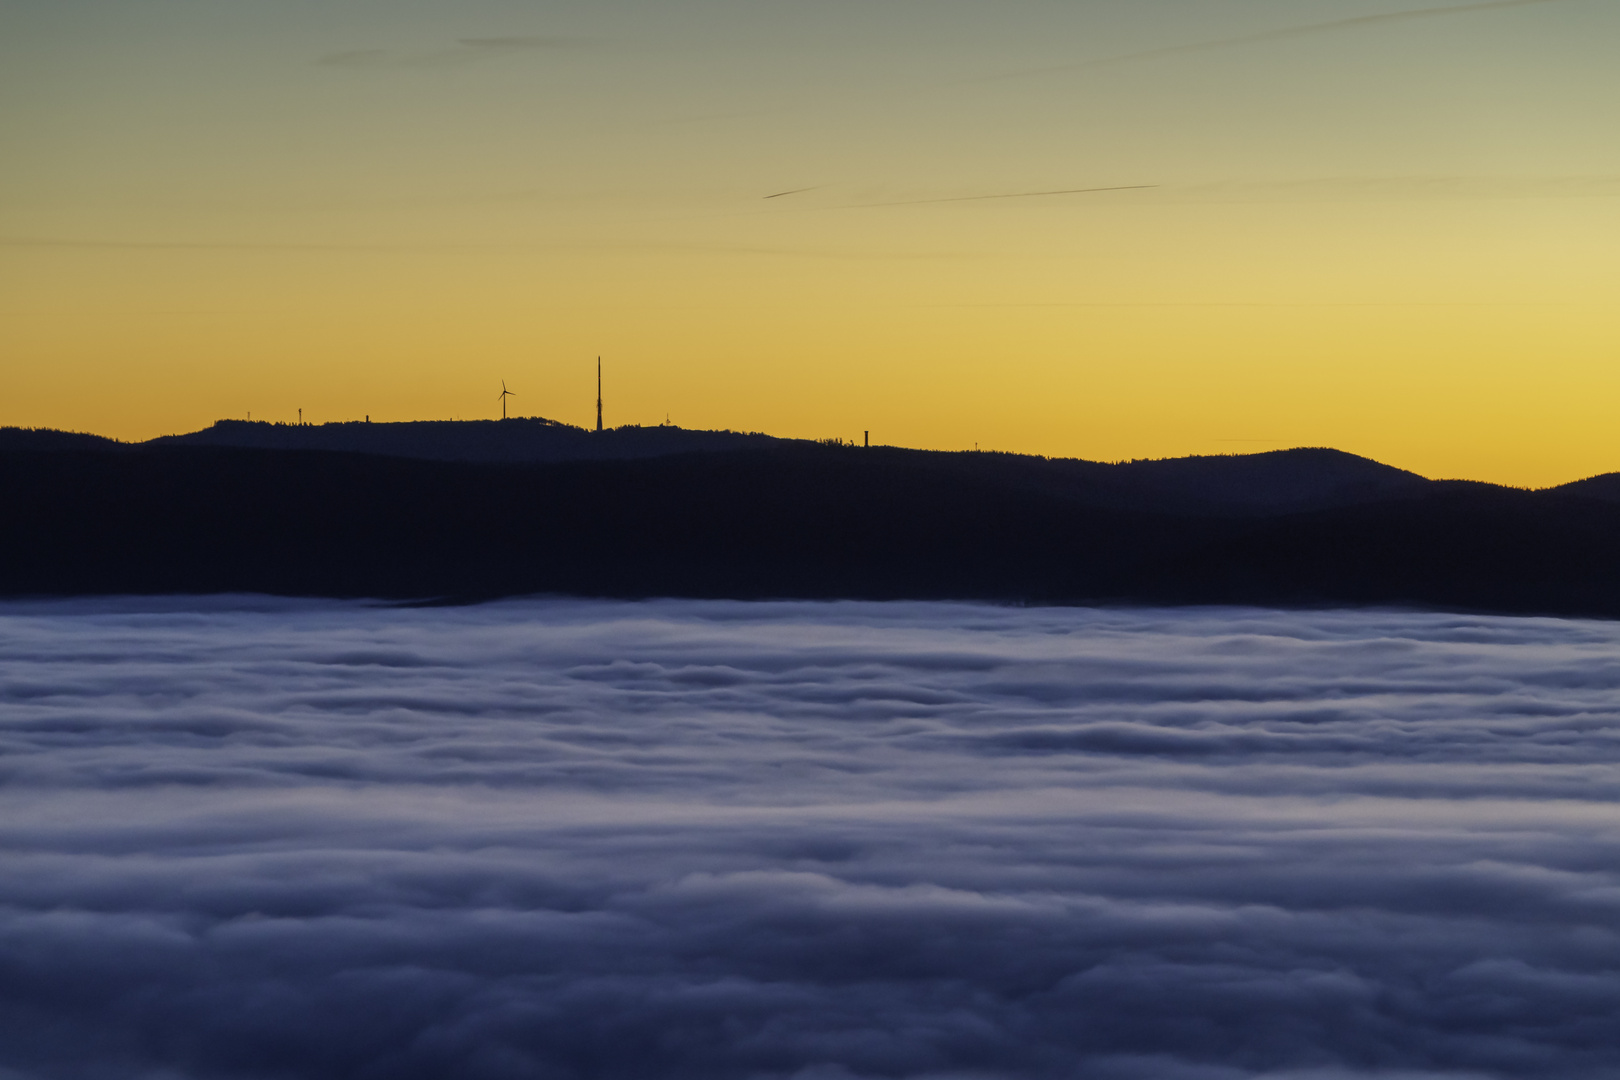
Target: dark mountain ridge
[518, 440]
[1278, 481]
[782, 518]
[1605, 487]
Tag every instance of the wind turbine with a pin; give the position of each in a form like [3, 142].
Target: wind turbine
[505, 393]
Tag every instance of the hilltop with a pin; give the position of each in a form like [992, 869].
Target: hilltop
[484, 509]
[519, 440]
[1272, 482]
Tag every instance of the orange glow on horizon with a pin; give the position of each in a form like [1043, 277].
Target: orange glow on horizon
[1412, 260]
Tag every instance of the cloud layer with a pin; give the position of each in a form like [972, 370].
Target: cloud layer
[256, 838]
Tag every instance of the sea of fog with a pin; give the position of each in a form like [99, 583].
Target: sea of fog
[553, 839]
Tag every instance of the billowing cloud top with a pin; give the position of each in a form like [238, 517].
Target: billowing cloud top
[257, 838]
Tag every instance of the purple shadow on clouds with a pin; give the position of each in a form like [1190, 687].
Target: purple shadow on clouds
[258, 838]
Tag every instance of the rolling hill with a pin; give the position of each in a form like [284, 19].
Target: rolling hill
[661, 511]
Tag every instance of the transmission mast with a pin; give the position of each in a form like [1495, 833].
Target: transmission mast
[598, 393]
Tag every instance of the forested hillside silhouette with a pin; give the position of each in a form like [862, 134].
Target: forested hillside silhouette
[778, 518]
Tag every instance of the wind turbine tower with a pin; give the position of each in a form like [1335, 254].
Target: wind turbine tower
[505, 393]
[598, 393]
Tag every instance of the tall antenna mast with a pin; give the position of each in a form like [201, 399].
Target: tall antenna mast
[598, 393]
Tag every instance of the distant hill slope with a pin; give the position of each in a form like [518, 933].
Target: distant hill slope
[797, 520]
[518, 440]
[1282, 481]
[1605, 487]
[15, 439]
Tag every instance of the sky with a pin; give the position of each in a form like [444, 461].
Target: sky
[247, 837]
[1098, 228]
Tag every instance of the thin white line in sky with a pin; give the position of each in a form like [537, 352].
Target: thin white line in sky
[1280, 34]
[1012, 195]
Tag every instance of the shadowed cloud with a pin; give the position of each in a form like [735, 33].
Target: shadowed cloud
[253, 837]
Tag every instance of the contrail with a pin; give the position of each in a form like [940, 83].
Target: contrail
[1285, 33]
[1327, 27]
[175, 245]
[795, 191]
[1013, 195]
